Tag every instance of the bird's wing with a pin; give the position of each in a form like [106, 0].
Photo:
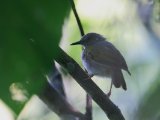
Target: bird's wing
[108, 55]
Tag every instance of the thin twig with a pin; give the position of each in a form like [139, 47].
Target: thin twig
[88, 107]
[77, 18]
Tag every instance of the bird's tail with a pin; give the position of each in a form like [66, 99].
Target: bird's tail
[118, 79]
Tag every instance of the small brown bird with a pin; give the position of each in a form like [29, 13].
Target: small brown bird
[101, 58]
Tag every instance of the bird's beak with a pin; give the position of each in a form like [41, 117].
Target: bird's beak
[76, 43]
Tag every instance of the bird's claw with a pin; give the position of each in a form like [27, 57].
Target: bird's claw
[89, 77]
[108, 94]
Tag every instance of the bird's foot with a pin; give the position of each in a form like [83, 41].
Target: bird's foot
[108, 94]
[89, 77]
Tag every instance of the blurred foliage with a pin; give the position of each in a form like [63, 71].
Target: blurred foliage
[149, 106]
[30, 30]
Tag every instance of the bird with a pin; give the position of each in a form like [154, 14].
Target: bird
[102, 58]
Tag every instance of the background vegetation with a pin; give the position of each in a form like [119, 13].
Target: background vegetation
[30, 31]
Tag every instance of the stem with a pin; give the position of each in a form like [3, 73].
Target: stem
[77, 18]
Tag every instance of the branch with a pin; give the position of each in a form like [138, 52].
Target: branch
[54, 97]
[111, 110]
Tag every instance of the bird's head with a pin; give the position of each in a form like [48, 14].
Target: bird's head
[89, 39]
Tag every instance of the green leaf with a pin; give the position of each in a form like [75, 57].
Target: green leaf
[30, 30]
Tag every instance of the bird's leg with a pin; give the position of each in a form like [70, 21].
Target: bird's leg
[110, 90]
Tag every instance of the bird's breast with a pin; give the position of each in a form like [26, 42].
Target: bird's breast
[93, 67]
